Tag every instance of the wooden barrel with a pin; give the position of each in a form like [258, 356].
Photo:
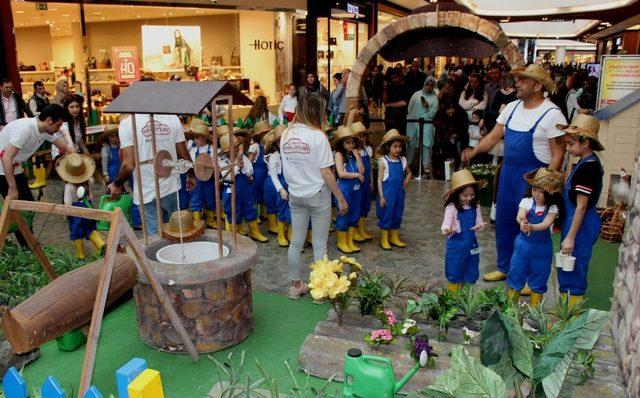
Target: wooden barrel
[64, 304]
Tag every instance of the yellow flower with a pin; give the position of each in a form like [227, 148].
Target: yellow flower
[321, 283]
[353, 276]
[336, 266]
[320, 263]
[339, 286]
[351, 261]
[317, 294]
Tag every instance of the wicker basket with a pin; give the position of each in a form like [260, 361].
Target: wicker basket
[612, 220]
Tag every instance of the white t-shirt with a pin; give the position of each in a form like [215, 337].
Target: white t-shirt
[194, 148]
[24, 135]
[275, 168]
[55, 152]
[527, 204]
[304, 151]
[524, 119]
[288, 104]
[169, 132]
[383, 160]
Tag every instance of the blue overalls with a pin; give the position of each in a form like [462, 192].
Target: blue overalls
[532, 256]
[365, 204]
[575, 281]
[390, 216]
[350, 188]
[519, 158]
[245, 209]
[272, 200]
[113, 163]
[270, 196]
[79, 227]
[203, 194]
[260, 174]
[462, 255]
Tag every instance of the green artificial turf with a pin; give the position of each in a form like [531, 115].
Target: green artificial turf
[281, 325]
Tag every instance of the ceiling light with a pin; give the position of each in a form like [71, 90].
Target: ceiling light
[97, 13]
[504, 20]
[19, 12]
[65, 15]
[137, 16]
[545, 19]
[103, 18]
[53, 9]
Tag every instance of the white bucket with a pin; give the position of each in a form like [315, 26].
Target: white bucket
[559, 259]
[568, 263]
[195, 252]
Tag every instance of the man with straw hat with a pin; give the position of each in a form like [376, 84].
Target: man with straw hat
[581, 222]
[531, 141]
[169, 135]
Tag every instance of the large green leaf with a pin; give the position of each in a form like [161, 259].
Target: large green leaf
[507, 370]
[594, 323]
[519, 346]
[466, 378]
[493, 340]
[505, 348]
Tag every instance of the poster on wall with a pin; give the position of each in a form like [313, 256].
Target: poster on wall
[619, 76]
[126, 64]
[170, 48]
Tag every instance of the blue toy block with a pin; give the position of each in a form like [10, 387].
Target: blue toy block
[92, 393]
[51, 389]
[13, 384]
[127, 373]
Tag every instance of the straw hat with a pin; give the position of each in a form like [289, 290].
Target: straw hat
[392, 135]
[273, 136]
[343, 133]
[224, 143]
[584, 126]
[261, 127]
[537, 73]
[359, 128]
[463, 178]
[76, 168]
[191, 229]
[546, 179]
[222, 130]
[108, 130]
[199, 129]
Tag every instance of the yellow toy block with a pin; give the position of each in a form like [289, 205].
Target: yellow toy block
[147, 385]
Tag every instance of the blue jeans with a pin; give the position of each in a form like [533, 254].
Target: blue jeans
[169, 204]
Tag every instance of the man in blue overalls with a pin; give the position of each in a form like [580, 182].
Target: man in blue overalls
[531, 140]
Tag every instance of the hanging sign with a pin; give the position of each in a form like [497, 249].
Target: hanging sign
[619, 76]
[126, 63]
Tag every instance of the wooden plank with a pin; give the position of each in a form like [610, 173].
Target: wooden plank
[115, 233]
[143, 215]
[232, 153]
[152, 278]
[63, 210]
[156, 182]
[5, 220]
[216, 176]
[33, 244]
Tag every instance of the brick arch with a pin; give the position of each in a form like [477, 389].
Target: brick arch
[455, 19]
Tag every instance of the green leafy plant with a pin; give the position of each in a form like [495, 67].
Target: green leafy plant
[424, 285]
[396, 283]
[497, 298]
[566, 311]
[423, 305]
[444, 311]
[471, 300]
[467, 378]
[372, 294]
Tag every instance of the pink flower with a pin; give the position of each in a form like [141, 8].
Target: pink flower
[381, 334]
[391, 319]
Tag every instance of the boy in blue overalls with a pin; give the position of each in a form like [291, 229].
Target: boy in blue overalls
[393, 178]
[533, 248]
[366, 154]
[255, 153]
[243, 171]
[276, 194]
[203, 195]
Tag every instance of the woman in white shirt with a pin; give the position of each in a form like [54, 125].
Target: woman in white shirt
[306, 163]
[288, 105]
[74, 129]
[473, 98]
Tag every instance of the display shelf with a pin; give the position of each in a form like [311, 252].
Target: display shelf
[31, 83]
[37, 72]
[102, 82]
[101, 70]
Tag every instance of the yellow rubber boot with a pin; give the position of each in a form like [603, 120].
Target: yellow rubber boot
[97, 241]
[494, 276]
[196, 215]
[254, 232]
[289, 232]
[342, 242]
[384, 239]
[362, 231]
[282, 235]
[272, 221]
[452, 287]
[227, 226]
[212, 220]
[40, 178]
[242, 229]
[357, 237]
[513, 295]
[526, 291]
[350, 233]
[573, 300]
[536, 299]
[394, 238]
[79, 245]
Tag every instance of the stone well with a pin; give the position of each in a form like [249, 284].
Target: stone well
[212, 299]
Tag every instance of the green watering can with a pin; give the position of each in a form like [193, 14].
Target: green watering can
[106, 204]
[369, 376]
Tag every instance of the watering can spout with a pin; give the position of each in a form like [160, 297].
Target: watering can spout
[421, 363]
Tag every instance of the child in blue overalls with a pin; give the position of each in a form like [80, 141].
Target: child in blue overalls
[243, 171]
[533, 248]
[393, 178]
[580, 221]
[255, 153]
[276, 194]
[76, 170]
[367, 185]
[203, 195]
[462, 218]
[350, 177]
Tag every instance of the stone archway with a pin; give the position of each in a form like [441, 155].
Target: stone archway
[450, 19]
